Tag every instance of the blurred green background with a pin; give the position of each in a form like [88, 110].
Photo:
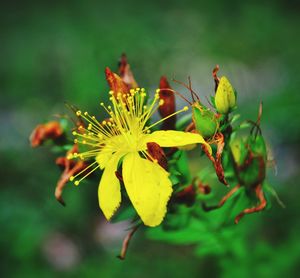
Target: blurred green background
[56, 51]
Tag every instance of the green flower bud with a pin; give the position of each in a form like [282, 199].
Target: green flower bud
[205, 120]
[225, 98]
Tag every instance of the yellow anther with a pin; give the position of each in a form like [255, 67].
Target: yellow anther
[78, 113]
[76, 183]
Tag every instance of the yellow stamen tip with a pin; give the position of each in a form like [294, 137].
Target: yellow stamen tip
[78, 113]
[185, 108]
[71, 178]
[76, 183]
[157, 91]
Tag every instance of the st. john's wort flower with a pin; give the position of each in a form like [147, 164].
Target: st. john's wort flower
[122, 139]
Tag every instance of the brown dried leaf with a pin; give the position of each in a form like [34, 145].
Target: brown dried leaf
[217, 162]
[51, 130]
[115, 82]
[70, 168]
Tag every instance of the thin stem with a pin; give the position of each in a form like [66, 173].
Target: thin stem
[126, 242]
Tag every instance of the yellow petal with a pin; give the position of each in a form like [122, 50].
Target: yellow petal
[148, 188]
[109, 192]
[172, 138]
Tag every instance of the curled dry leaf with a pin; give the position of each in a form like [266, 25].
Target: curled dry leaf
[70, 168]
[51, 130]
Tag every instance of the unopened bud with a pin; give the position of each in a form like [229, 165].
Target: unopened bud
[205, 120]
[225, 98]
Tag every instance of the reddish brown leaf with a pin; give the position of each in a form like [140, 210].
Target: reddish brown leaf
[168, 106]
[126, 73]
[115, 82]
[43, 132]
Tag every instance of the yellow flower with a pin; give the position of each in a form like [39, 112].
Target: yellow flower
[123, 139]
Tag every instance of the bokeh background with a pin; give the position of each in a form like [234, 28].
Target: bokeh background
[56, 51]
